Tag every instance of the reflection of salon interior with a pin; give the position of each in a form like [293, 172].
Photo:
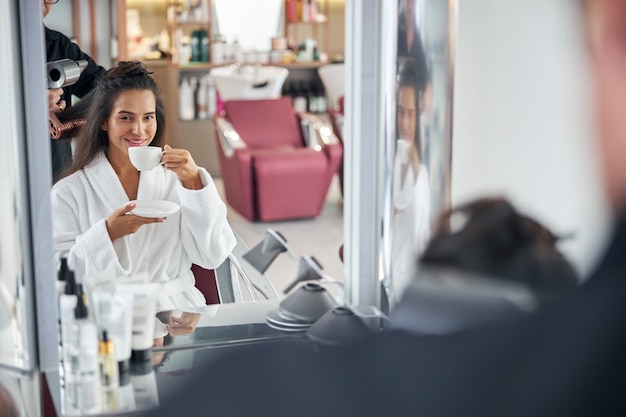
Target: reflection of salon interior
[333, 172]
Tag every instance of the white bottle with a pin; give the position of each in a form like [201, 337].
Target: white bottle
[217, 52]
[144, 384]
[203, 110]
[164, 41]
[211, 96]
[85, 376]
[186, 106]
[237, 51]
[67, 304]
[204, 6]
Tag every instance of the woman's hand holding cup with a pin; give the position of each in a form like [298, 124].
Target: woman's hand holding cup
[182, 164]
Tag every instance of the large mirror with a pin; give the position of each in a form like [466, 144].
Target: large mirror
[415, 185]
[420, 183]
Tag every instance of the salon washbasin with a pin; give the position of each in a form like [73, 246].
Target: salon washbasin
[248, 81]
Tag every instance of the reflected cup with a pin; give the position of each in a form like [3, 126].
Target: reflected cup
[145, 158]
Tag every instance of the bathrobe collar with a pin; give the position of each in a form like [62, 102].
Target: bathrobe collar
[104, 180]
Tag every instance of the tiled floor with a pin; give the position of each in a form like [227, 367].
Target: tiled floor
[320, 237]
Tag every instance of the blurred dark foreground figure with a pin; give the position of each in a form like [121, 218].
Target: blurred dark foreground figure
[567, 359]
[489, 237]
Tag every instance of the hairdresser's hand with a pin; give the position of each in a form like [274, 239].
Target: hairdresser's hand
[183, 165]
[55, 104]
[120, 223]
[184, 324]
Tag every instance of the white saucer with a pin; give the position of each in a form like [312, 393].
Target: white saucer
[154, 208]
[285, 328]
[276, 321]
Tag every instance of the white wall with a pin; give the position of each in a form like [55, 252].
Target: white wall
[522, 124]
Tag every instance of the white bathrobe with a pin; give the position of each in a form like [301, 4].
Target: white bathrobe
[198, 233]
[411, 224]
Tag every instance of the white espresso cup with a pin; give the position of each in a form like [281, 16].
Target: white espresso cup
[144, 158]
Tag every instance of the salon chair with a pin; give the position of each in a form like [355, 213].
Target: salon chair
[276, 164]
[223, 284]
[333, 78]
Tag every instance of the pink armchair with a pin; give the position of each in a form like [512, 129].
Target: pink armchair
[276, 164]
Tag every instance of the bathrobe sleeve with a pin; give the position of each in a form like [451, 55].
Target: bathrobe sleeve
[205, 232]
[90, 252]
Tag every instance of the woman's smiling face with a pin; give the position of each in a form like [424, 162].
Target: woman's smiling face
[132, 121]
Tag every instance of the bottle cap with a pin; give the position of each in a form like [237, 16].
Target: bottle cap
[123, 368]
[62, 276]
[141, 368]
[67, 275]
[105, 345]
[141, 356]
[80, 312]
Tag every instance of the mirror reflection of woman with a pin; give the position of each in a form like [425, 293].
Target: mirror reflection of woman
[411, 185]
[93, 224]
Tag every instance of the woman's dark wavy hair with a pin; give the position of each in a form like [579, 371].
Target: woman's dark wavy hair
[96, 107]
[495, 240]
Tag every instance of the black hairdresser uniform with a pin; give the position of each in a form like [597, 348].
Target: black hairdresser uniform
[59, 46]
[416, 53]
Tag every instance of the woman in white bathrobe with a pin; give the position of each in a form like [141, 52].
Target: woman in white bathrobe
[93, 225]
[411, 187]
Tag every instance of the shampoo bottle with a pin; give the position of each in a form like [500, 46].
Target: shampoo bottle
[186, 108]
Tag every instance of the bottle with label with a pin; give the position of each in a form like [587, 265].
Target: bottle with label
[109, 376]
[203, 110]
[84, 360]
[196, 46]
[186, 101]
[204, 45]
[67, 305]
[237, 50]
[66, 295]
[322, 105]
[291, 10]
[211, 96]
[300, 100]
[217, 50]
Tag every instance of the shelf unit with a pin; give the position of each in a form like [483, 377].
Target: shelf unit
[186, 29]
[297, 29]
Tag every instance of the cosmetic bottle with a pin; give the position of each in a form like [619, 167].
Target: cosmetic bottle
[211, 96]
[202, 100]
[84, 360]
[109, 377]
[204, 45]
[62, 277]
[186, 100]
[67, 304]
[144, 384]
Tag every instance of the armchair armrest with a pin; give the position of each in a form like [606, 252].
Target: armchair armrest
[316, 133]
[338, 116]
[228, 136]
